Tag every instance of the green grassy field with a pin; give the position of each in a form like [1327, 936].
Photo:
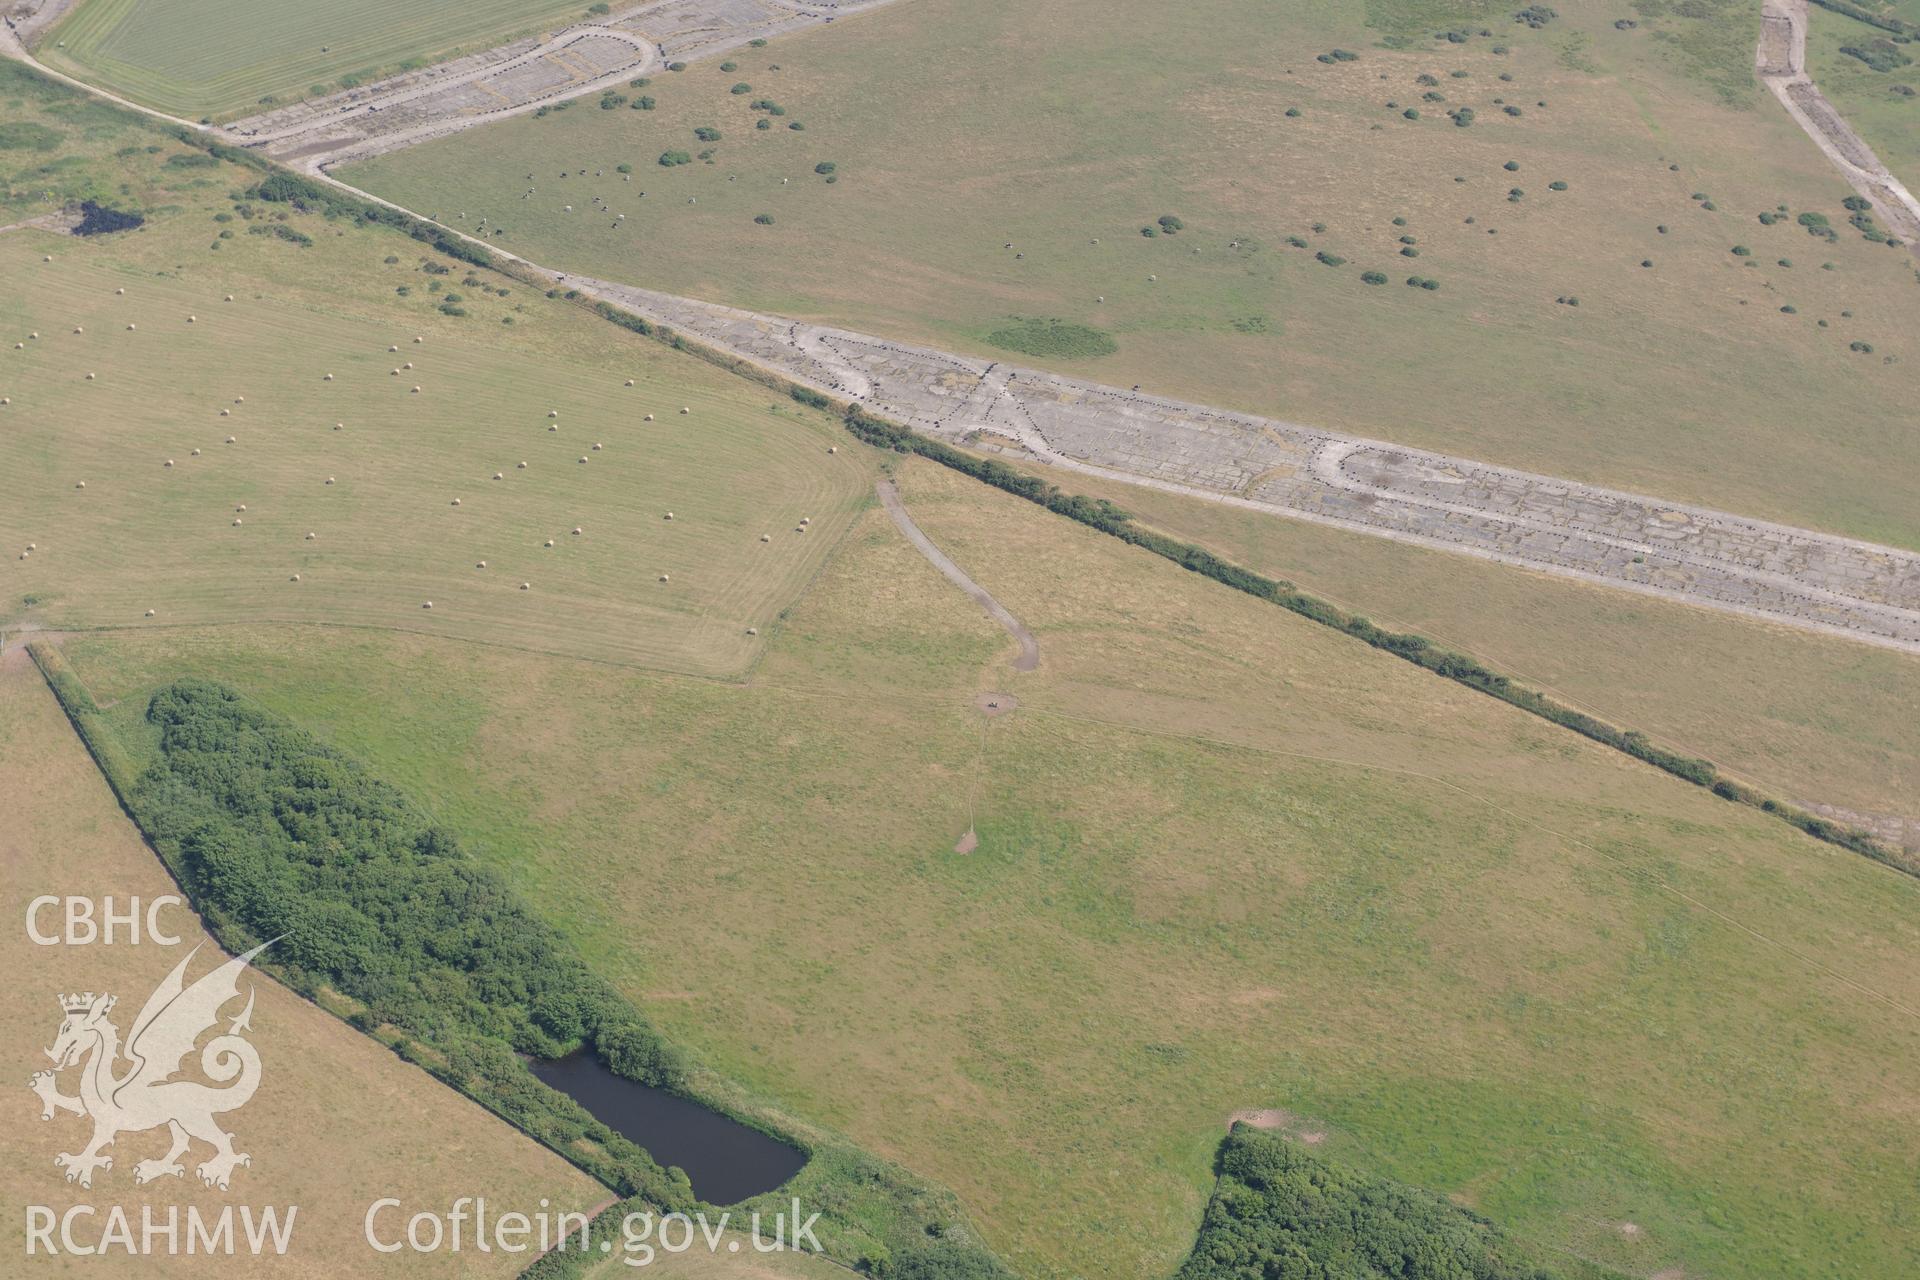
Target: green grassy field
[324, 1087]
[220, 535]
[198, 58]
[981, 149]
[1228, 860]
[1887, 119]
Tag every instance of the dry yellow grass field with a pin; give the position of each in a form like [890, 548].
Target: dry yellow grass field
[338, 1121]
[1227, 859]
[982, 146]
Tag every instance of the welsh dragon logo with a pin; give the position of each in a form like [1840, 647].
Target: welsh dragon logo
[144, 1095]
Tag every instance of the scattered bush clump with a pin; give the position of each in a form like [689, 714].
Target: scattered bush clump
[1036, 337]
[707, 133]
[742, 87]
[643, 103]
[1329, 259]
[1338, 55]
[97, 219]
[825, 167]
[1535, 16]
[1373, 277]
[1556, 186]
[668, 159]
[1277, 1211]
[1462, 117]
[1170, 223]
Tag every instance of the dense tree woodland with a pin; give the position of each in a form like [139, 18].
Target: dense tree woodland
[1280, 1213]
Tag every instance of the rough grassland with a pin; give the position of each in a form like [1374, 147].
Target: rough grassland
[338, 1121]
[1814, 718]
[1889, 121]
[962, 127]
[1227, 860]
[388, 537]
[199, 58]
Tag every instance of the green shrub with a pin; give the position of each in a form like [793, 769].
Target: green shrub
[1373, 277]
[707, 133]
[1037, 337]
[764, 219]
[668, 159]
[1277, 1211]
[643, 103]
[824, 167]
[1556, 186]
[742, 87]
[1170, 223]
[1329, 259]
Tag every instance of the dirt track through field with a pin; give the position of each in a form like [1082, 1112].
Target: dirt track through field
[1029, 647]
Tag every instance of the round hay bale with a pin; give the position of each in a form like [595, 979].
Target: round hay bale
[149, 613]
[576, 530]
[229, 297]
[553, 426]
[47, 258]
[416, 391]
[407, 365]
[481, 565]
[553, 413]
[549, 541]
[391, 347]
[597, 446]
[833, 448]
[418, 338]
[241, 507]
[648, 418]
[339, 426]
[499, 475]
[6, 400]
[24, 554]
[663, 577]
[806, 519]
[89, 377]
[81, 485]
[226, 413]
[33, 336]
[685, 409]
[669, 515]
[310, 535]
[456, 502]
[629, 381]
[236, 522]
[239, 399]
[427, 605]
[526, 586]
[169, 461]
[78, 329]
[1151, 278]
[753, 631]
[521, 467]
[194, 454]
[766, 537]
[118, 292]
[583, 457]
[191, 319]
[131, 328]
[19, 346]
[296, 577]
[231, 439]
[328, 378]
[33, 546]
[393, 373]
[329, 479]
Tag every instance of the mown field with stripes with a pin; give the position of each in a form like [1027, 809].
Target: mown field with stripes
[200, 57]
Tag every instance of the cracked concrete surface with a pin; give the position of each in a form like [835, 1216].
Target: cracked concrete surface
[1781, 61]
[1791, 576]
[513, 79]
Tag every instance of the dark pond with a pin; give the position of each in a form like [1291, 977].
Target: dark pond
[725, 1160]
